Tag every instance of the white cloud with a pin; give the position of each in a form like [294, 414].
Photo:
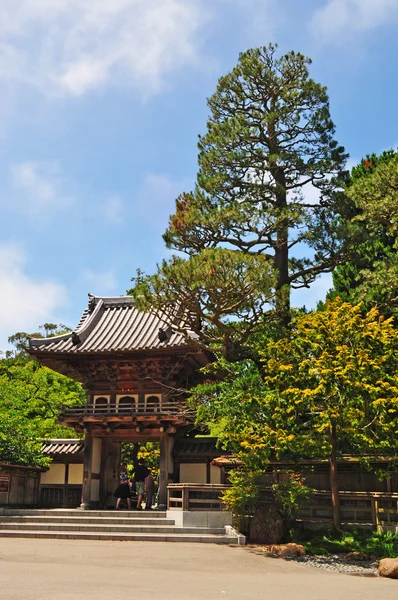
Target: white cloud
[339, 17]
[68, 47]
[25, 303]
[105, 281]
[42, 185]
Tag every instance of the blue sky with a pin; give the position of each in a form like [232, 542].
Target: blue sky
[100, 110]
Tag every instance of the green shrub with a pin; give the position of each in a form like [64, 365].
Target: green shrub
[381, 545]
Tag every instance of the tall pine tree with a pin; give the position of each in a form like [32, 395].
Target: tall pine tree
[262, 218]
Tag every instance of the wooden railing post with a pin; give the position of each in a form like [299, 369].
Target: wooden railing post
[185, 498]
[374, 506]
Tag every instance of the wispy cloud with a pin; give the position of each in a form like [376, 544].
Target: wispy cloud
[68, 47]
[105, 281]
[25, 302]
[343, 17]
[43, 186]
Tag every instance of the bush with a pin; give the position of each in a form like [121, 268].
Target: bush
[381, 545]
[292, 494]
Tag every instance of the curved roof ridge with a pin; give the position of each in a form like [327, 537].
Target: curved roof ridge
[111, 299]
[114, 324]
[49, 340]
[82, 330]
[90, 322]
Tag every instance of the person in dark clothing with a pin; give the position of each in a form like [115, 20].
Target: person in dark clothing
[123, 489]
[140, 474]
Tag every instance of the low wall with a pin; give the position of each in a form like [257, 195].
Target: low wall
[19, 485]
[204, 518]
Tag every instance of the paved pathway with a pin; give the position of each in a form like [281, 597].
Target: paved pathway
[36, 569]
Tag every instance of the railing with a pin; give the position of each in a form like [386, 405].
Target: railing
[359, 508]
[195, 496]
[134, 408]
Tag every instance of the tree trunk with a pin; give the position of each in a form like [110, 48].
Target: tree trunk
[282, 253]
[334, 477]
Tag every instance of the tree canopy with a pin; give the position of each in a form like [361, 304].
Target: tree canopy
[369, 273]
[251, 228]
[31, 399]
[328, 389]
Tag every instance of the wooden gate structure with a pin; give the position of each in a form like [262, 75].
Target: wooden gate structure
[135, 369]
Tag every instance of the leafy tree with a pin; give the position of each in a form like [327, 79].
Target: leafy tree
[20, 340]
[369, 273]
[329, 388]
[18, 443]
[220, 294]
[269, 140]
[338, 375]
[31, 399]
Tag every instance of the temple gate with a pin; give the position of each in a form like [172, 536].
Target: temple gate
[136, 372]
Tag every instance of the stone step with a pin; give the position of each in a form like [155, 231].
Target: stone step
[65, 512]
[87, 519]
[61, 527]
[142, 537]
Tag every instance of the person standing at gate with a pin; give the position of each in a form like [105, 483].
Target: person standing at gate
[149, 490]
[123, 489]
[140, 474]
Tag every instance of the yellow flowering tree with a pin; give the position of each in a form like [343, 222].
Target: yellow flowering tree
[336, 385]
[330, 387]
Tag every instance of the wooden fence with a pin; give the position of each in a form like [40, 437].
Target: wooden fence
[195, 496]
[378, 509]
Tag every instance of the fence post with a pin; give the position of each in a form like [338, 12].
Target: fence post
[375, 510]
[185, 498]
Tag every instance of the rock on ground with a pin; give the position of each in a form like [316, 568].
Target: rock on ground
[287, 550]
[388, 567]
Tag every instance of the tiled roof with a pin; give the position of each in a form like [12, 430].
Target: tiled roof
[191, 447]
[112, 325]
[67, 446]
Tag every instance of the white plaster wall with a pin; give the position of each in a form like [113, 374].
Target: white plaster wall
[75, 476]
[193, 473]
[215, 474]
[56, 474]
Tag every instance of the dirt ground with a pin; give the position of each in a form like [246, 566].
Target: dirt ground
[35, 569]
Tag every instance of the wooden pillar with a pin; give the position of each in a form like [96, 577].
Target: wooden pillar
[163, 470]
[104, 474]
[87, 466]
